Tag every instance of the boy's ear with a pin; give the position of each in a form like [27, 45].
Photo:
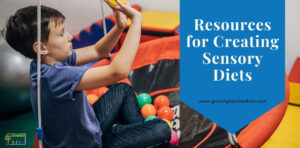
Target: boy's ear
[43, 51]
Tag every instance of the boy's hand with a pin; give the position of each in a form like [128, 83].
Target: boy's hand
[120, 20]
[133, 14]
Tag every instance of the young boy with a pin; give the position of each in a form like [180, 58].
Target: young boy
[68, 119]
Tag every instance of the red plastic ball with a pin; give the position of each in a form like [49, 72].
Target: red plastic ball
[165, 112]
[161, 101]
[148, 110]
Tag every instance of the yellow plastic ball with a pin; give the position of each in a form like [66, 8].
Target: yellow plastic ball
[115, 3]
[168, 123]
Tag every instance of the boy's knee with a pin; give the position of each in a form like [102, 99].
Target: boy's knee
[125, 85]
[163, 127]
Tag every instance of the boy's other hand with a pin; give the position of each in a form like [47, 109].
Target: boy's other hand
[120, 20]
[133, 14]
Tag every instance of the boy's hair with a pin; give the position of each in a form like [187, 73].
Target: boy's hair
[21, 28]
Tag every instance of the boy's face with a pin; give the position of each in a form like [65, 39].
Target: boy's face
[59, 43]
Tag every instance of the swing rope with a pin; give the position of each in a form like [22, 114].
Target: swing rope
[39, 129]
[104, 23]
[103, 18]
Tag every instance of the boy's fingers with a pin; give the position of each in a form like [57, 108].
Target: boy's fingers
[118, 8]
[115, 11]
[122, 14]
[117, 14]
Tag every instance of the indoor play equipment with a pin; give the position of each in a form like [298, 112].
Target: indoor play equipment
[144, 99]
[115, 3]
[158, 74]
[91, 34]
[150, 118]
[174, 138]
[287, 134]
[257, 132]
[165, 112]
[294, 75]
[156, 71]
[161, 101]
[157, 24]
[14, 78]
[148, 110]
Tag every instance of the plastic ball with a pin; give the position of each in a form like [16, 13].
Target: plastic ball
[143, 99]
[150, 118]
[174, 138]
[92, 98]
[165, 112]
[169, 123]
[148, 110]
[115, 3]
[15, 85]
[161, 101]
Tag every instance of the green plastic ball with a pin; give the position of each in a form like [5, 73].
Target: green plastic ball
[150, 118]
[144, 99]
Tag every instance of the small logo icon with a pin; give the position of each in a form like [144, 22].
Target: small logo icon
[15, 138]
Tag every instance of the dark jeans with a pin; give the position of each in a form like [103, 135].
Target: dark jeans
[122, 123]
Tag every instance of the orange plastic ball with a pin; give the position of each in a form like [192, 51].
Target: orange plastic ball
[161, 101]
[165, 112]
[148, 110]
[92, 98]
